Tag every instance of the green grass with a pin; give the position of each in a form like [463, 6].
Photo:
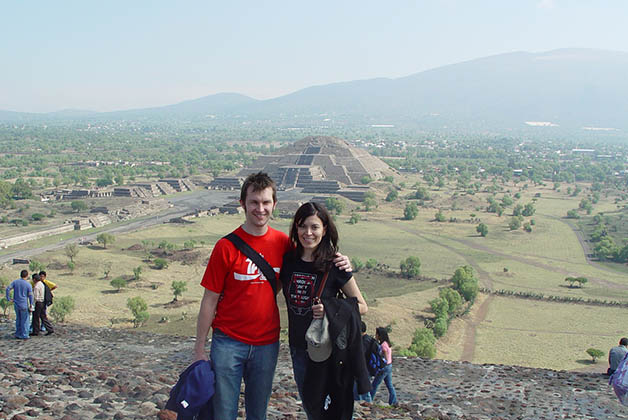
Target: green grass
[548, 335]
[516, 331]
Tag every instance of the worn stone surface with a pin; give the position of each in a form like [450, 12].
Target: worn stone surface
[88, 373]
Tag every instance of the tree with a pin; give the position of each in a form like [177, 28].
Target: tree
[178, 287]
[71, 266]
[528, 210]
[356, 264]
[63, 307]
[440, 307]
[369, 203]
[410, 267]
[439, 216]
[581, 281]
[36, 266]
[573, 214]
[465, 283]
[160, 263]
[482, 229]
[515, 223]
[71, 250]
[334, 204]
[78, 206]
[105, 239]
[4, 305]
[411, 211]
[570, 280]
[595, 354]
[423, 344]
[453, 298]
[371, 263]
[422, 194]
[440, 326]
[354, 219]
[118, 283]
[518, 210]
[139, 309]
[392, 195]
[137, 272]
[21, 190]
[106, 269]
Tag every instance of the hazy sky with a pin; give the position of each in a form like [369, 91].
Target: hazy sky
[113, 55]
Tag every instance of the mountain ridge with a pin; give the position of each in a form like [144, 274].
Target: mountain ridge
[573, 86]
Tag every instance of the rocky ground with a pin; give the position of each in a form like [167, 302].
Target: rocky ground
[87, 373]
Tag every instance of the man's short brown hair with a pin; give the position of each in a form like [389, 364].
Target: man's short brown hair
[259, 181]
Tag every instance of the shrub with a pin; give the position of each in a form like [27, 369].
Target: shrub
[139, 309]
[62, 307]
[4, 305]
[410, 267]
[411, 211]
[371, 263]
[595, 354]
[160, 263]
[118, 283]
[423, 343]
[440, 326]
[178, 287]
[105, 239]
[356, 264]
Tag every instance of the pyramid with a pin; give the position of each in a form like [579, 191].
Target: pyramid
[319, 164]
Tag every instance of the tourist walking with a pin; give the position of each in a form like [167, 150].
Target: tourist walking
[381, 335]
[22, 302]
[304, 271]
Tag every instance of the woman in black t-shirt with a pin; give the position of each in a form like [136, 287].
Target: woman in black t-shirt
[315, 238]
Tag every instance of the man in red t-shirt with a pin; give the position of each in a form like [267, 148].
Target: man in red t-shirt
[241, 307]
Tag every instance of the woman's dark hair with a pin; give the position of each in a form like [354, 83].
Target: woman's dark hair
[327, 248]
[36, 278]
[382, 333]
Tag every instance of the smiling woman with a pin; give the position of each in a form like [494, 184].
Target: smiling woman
[315, 238]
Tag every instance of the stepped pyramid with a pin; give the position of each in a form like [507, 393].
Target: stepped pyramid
[319, 165]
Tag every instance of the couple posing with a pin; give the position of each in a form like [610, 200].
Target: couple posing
[240, 305]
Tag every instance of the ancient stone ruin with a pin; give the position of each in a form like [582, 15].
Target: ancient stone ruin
[321, 165]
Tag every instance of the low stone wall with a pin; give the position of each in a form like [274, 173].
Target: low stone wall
[14, 240]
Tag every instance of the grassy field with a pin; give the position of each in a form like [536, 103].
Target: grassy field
[550, 335]
[516, 331]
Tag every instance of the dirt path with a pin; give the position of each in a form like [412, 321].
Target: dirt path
[468, 347]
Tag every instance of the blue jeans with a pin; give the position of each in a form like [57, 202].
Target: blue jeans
[386, 375]
[361, 397]
[232, 361]
[299, 362]
[22, 323]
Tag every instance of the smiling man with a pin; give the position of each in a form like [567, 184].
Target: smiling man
[240, 305]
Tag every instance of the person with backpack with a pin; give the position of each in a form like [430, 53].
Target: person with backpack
[48, 296]
[371, 354]
[381, 335]
[39, 316]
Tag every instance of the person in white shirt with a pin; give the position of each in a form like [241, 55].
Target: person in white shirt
[39, 316]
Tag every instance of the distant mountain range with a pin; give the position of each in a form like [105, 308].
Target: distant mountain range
[567, 87]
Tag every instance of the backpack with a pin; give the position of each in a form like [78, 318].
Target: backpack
[375, 362]
[47, 295]
[619, 380]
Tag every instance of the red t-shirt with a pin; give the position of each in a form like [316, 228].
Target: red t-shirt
[247, 310]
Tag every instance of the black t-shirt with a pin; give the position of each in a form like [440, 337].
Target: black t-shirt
[300, 282]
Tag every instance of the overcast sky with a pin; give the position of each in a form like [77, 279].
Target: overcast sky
[114, 55]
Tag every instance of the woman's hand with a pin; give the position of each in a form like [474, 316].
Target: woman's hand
[318, 311]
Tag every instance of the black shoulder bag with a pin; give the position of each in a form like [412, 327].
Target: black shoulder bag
[257, 259]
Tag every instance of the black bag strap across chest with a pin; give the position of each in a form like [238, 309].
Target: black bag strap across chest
[257, 259]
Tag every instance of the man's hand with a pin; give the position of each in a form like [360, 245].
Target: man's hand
[342, 262]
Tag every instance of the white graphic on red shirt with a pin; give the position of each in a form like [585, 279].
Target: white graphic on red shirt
[252, 273]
